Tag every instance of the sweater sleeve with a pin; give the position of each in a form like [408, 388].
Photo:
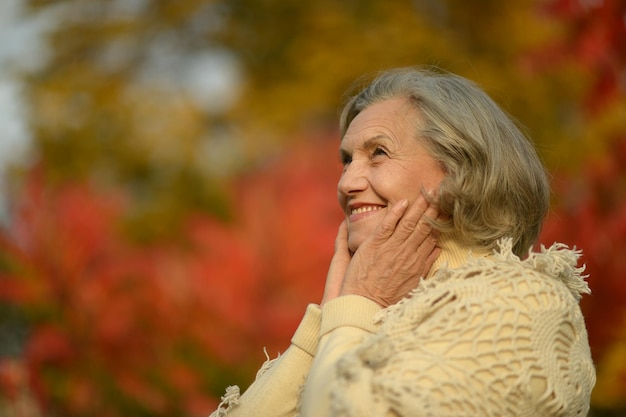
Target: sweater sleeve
[274, 392]
[491, 347]
[346, 322]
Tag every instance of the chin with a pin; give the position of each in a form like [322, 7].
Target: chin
[353, 244]
[357, 237]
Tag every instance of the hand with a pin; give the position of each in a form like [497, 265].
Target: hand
[391, 262]
[338, 265]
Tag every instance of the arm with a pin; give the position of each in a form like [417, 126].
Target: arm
[381, 272]
[356, 288]
[346, 322]
[275, 390]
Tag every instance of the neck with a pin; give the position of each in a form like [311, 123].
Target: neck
[454, 253]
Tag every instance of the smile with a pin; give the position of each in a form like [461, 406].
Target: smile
[365, 209]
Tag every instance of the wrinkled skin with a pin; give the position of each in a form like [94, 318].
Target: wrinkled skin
[386, 244]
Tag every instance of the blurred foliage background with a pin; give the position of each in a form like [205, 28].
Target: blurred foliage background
[176, 211]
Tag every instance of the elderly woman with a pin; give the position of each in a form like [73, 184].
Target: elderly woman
[429, 309]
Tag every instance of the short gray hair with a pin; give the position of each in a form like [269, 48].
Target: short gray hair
[495, 184]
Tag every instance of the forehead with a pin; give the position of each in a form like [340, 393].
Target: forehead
[393, 119]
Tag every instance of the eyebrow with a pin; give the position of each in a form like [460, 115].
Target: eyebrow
[367, 145]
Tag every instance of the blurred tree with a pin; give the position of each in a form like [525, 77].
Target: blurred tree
[591, 211]
[163, 220]
[166, 98]
[117, 329]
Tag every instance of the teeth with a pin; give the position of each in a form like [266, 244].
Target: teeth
[365, 209]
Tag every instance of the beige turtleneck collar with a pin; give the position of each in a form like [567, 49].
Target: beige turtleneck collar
[454, 253]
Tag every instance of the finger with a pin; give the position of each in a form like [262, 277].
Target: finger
[423, 246]
[427, 254]
[338, 265]
[443, 218]
[434, 236]
[431, 213]
[425, 223]
[413, 219]
[341, 241]
[432, 257]
[389, 223]
[417, 225]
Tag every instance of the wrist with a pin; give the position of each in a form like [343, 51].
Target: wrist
[346, 290]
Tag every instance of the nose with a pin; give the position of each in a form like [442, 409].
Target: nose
[352, 180]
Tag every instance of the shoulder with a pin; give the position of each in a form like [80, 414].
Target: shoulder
[548, 280]
[501, 308]
[505, 280]
[496, 328]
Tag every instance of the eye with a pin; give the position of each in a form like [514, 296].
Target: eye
[345, 159]
[378, 151]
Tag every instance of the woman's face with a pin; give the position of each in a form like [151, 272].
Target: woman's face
[383, 163]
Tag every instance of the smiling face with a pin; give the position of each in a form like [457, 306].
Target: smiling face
[383, 163]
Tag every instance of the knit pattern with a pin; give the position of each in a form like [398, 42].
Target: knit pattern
[496, 337]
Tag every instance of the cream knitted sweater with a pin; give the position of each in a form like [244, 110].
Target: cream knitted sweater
[481, 336]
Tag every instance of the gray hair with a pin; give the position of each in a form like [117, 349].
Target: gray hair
[495, 184]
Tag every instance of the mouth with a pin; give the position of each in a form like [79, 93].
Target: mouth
[362, 211]
[365, 209]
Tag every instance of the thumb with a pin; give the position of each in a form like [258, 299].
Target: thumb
[341, 241]
[338, 265]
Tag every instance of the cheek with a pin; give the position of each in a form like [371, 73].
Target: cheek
[429, 175]
[398, 183]
[409, 184]
[357, 235]
[341, 199]
[434, 180]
